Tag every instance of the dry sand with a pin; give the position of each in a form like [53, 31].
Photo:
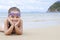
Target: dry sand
[50, 33]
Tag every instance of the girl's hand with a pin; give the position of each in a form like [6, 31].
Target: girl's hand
[10, 22]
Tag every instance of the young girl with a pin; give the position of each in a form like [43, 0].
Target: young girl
[13, 24]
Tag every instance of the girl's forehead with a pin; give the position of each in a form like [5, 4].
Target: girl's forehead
[14, 12]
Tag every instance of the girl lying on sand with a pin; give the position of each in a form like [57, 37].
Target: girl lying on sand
[13, 24]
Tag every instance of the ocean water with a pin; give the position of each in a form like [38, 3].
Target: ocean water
[35, 20]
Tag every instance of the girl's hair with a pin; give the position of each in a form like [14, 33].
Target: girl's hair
[12, 9]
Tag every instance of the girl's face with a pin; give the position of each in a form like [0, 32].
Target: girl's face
[14, 16]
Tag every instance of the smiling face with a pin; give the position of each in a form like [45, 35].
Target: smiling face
[14, 15]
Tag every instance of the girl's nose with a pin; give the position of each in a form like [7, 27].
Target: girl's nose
[15, 18]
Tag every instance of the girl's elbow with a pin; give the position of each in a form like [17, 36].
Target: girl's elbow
[7, 33]
[19, 33]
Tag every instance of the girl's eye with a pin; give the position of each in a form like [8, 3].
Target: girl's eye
[12, 16]
[17, 16]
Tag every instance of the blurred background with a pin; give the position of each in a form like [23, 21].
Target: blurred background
[35, 13]
[27, 5]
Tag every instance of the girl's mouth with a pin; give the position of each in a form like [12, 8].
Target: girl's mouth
[14, 22]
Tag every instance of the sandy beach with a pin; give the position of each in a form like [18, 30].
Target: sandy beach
[50, 33]
[36, 27]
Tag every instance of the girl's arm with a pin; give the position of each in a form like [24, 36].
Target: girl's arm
[19, 30]
[7, 30]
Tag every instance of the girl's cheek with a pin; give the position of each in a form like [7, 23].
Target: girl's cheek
[11, 19]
